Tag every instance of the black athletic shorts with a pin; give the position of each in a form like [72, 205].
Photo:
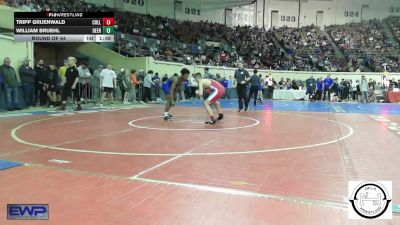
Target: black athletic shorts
[108, 90]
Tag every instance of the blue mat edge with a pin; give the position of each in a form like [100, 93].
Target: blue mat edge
[10, 165]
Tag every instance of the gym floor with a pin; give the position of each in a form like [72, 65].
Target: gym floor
[284, 162]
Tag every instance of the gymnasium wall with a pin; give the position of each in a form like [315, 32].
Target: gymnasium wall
[192, 10]
[97, 54]
[334, 11]
[16, 51]
[7, 17]
[171, 68]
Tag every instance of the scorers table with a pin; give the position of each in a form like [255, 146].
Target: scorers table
[64, 26]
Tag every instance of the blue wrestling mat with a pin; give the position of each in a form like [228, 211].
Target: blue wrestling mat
[306, 106]
[8, 164]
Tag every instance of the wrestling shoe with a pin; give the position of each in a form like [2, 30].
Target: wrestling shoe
[211, 122]
[168, 117]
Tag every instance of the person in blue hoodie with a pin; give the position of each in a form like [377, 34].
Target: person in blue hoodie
[319, 86]
[328, 83]
[225, 83]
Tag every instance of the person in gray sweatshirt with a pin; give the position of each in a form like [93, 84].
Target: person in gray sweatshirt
[364, 89]
[147, 84]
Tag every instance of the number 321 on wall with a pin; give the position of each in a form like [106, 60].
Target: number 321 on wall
[192, 11]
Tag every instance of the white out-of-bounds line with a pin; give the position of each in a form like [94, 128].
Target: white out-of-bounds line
[188, 121]
[389, 124]
[68, 122]
[171, 159]
[184, 121]
[59, 161]
[236, 192]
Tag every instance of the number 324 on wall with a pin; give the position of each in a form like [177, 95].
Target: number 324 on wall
[350, 14]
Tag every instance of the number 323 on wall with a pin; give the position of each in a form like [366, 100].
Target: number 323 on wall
[288, 18]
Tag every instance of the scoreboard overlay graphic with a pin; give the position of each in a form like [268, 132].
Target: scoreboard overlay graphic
[64, 26]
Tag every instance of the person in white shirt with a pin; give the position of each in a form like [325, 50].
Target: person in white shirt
[108, 81]
[193, 86]
[270, 86]
[385, 81]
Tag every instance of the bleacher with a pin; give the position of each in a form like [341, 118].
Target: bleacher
[306, 48]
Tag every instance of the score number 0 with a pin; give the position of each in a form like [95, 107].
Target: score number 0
[108, 25]
[108, 21]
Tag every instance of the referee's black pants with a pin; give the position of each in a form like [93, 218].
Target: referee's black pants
[242, 96]
[270, 92]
